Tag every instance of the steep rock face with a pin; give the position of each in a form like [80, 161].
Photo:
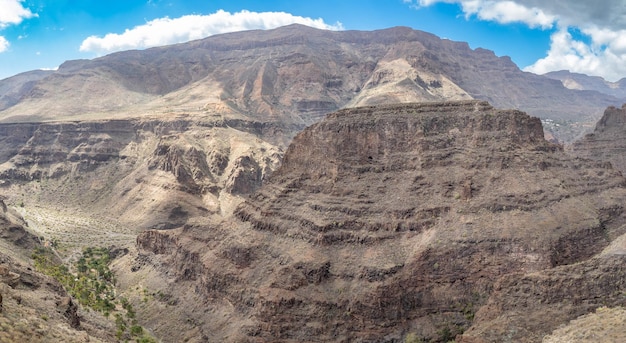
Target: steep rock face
[395, 220]
[13, 235]
[148, 173]
[524, 308]
[608, 141]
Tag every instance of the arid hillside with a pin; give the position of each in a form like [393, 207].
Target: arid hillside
[34, 307]
[294, 75]
[419, 221]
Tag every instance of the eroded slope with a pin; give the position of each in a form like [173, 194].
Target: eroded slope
[608, 141]
[34, 307]
[395, 220]
[107, 180]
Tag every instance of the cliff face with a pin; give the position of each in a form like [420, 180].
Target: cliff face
[607, 142]
[148, 173]
[395, 220]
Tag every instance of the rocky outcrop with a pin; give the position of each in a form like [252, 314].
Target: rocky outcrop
[608, 140]
[413, 220]
[12, 230]
[527, 307]
[109, 165]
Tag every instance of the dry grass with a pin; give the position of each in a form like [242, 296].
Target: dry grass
[73, 230]
[31, 316]
[606, 325]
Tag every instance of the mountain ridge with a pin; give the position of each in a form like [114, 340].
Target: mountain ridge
[295, 74]
[594, 83]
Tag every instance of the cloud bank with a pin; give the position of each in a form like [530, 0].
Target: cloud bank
[165, 31]
[12, 13]
[4, 44]
[597, 48]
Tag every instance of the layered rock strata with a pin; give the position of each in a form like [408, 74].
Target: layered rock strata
[608, 141]
[389, 222]
[149, 173]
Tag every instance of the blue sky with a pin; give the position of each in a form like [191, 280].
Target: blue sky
[540, 36]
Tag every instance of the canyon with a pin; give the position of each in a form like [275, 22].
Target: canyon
[297, 185]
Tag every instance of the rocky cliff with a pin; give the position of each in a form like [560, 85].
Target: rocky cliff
[147, 173]
[607, 142]
[424, 221]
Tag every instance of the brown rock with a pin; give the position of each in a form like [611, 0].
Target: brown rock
[414, 218]
[608, 140]
[70, 310]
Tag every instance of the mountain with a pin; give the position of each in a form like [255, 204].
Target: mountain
[397, 222]
[153, 138]
[12, 89]
[608, 141]
[294, 74]
[590, 83]
[398, 216]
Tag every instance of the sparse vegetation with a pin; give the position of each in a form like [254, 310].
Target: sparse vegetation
[413, 338]
[92, 284]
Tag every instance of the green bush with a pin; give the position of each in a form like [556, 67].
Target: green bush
[92, 284]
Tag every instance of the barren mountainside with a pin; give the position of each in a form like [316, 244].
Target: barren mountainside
[402, 221]
[293, 74]
[608, 141]
[592, 83]
[296, 184]
[143, 173]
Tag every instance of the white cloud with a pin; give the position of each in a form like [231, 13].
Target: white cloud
[507, 12]
[4, 44]
[605, 56]
[603, 22]
[165, 31]
[13, 12]
[501, 11]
